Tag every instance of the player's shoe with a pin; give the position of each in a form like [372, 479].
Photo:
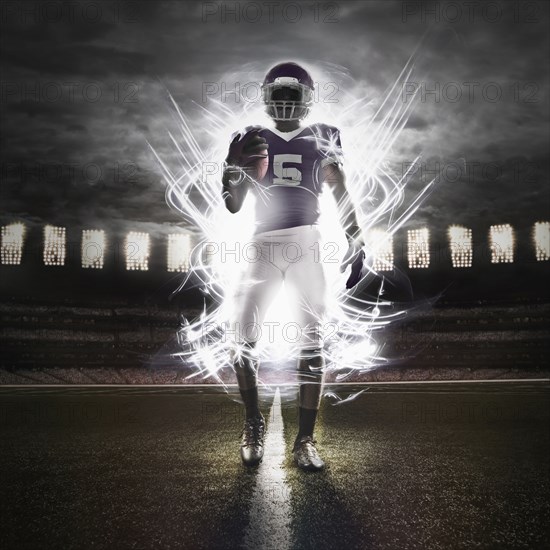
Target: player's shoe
[252, 440]
[306, 455]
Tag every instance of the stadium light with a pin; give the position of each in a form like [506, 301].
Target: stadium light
[502, 243]
[419, 248]
[93, 248]
[137, 251]
[55, 247]
[460, 242]
[380, 245]
[13, 236]
[179, 251]
[541, 236]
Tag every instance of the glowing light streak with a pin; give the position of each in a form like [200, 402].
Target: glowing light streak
[193, 188]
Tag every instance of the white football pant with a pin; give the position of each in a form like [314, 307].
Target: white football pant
[290, 255]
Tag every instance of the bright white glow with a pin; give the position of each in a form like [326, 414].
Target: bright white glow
[541, 236]
[93, 248]
[380, 246]
[137, 251]
[179, 252]
[192, 170]
[460, 241]
[55, 239]
[419, 248]
[13, 236]
[502, 243]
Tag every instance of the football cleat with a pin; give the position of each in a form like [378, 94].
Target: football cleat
[252, 441]
[306, 455]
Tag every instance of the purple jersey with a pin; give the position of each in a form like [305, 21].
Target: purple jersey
[288, 195]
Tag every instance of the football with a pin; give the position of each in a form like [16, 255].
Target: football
[260, 167]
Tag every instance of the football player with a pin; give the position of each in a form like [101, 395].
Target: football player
[285, 166]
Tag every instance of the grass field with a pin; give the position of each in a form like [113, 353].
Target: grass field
[408, 466]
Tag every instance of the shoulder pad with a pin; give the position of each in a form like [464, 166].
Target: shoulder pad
[325, 129]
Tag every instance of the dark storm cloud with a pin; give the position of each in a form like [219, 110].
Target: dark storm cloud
[56, 61]
[89, 94]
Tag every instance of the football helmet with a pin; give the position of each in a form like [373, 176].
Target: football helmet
[287, 92]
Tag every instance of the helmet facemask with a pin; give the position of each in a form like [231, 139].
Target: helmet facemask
[287, 99]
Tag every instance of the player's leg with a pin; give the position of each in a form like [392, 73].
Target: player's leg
[252, 436]
[311, 366]
[256, 291]
[252, 299]
[306, 281]
[310, 374]
[246, 369]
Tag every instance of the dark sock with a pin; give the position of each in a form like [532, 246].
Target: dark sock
[250, 399]
[306, 422]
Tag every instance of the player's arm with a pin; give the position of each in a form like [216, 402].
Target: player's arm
[335, 177]
[235, 187]
[241, 168]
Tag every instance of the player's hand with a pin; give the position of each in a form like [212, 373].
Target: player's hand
[355, 257]
[246, 149]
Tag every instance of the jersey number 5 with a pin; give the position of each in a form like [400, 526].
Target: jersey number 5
[286, 176]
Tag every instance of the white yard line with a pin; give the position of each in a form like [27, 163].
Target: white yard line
[269, 525]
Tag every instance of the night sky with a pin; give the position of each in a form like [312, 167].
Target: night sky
[84, 88]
